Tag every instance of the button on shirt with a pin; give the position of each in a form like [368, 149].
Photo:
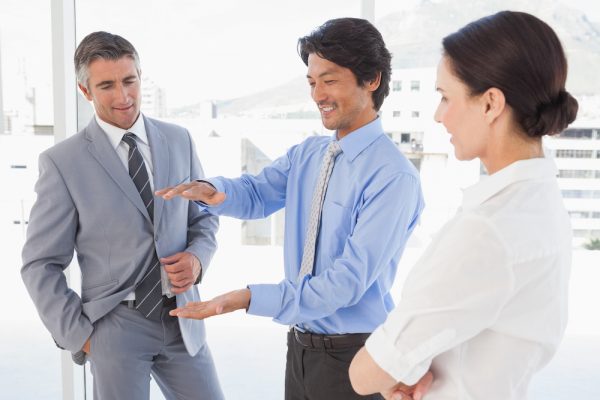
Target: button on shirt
[486, 305]
[372, 204]
[115, 136]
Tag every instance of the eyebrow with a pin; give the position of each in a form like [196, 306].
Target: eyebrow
[439, 89]
[322, 74]
[108, 82]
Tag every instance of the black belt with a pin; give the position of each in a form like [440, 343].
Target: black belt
[167, 301]
[317, 341]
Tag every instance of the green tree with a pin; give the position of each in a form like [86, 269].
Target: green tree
[593, 244]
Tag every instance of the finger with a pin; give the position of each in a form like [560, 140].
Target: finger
[190, 306]
[178, 268]
[194, 304]
[162, 191]
[180, 279]
[195, 313]
[176, 191]
[423, 386]
[172, 258]
[208, 196]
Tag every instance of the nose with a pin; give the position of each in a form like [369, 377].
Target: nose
[122, 93]
[437, 116]
[318, 93]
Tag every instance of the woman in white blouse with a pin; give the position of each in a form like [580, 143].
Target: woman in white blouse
[486, 305]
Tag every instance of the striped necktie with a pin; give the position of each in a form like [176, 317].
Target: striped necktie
[308, 255]
[148, 292]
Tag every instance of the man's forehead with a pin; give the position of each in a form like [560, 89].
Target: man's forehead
[318, 66]
[123, 66]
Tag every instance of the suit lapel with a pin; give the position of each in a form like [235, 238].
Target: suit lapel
[159, 148]
[103, 152]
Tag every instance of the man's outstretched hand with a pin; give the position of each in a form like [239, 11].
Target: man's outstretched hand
[225, 303]
[195, 191]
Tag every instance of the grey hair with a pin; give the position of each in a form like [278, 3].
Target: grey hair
[102, 45]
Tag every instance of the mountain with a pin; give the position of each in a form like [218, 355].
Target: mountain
[414, 38]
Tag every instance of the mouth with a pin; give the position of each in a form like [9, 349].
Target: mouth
[327, 109]
[123, 109]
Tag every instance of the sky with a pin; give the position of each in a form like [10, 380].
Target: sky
[196, 50]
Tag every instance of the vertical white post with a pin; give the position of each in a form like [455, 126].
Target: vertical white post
[65, 124]
[1, 94]
[367, 10]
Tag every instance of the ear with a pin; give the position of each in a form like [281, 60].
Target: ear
[494, 103]
[85, 92]
[374, 83]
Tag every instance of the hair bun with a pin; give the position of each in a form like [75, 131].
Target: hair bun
[552, 117]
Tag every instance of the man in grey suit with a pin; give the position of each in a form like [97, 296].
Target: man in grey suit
[94, 197]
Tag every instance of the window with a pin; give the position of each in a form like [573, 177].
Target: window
[581, 194]
[200, 73]
[415, 86]
[576, 153]
[397, 86]
[578, 173]
[396, 114]
[572, 133]
[585, 214]
[26, 127]
[415, 114]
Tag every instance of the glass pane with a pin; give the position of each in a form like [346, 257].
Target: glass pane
[29, 360]
[229, 71]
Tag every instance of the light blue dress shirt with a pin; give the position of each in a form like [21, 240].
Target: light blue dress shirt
[372, 205]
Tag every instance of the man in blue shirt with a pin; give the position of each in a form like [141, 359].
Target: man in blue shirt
[371, 205]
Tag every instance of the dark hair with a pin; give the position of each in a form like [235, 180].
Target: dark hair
[522, 56]
[102, 45]
[355, 44]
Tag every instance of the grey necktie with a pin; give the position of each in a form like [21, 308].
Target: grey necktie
[148, 293]
[308, 255]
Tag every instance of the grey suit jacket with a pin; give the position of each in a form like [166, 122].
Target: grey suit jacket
[87, 203]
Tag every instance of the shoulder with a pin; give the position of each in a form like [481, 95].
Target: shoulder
[308, 146]
[167, 128]
[387, 161]
[68, 147]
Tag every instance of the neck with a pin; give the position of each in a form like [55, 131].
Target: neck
[364, 120]
[510, 148]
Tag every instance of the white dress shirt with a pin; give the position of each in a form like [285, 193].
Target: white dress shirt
[486, 305]
[115, 136]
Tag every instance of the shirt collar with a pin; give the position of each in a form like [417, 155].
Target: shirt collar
[356, 141]
[523, 170]
[115, 134]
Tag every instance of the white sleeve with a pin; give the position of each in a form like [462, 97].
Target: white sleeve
[456, 290]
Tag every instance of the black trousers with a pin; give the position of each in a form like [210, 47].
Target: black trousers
[317, 369]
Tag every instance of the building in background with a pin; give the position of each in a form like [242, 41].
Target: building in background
[154, 99]
[577, 156]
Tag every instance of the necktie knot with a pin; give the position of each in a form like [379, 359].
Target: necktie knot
[334, 148]
[129, 138]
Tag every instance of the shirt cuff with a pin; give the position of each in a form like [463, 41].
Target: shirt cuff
[389, 358]
[265, 300]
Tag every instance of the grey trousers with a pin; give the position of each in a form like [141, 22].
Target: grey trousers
[126, 349]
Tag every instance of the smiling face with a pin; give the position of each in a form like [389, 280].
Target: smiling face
[114, 88]
[344, 104]
[462, 115]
